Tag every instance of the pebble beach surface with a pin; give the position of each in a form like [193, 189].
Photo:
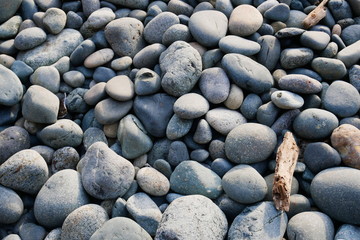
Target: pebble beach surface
[161, 120]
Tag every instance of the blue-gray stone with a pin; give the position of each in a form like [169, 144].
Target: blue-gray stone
[299, 83]
[253, 188]
[147, 82]
[155, 29]
[315, 123]
[164, 167]
[11, 89]
[289, 32]
[159, 150]
[307, 225]
[351, 34]
[214, 85]
[8, 9]
[97, 21]
[245, 20]
[136, 4]
[190, 177]
[31, 231]
[350, 55]
[64, 158]
[296, 57]
[287, 100]
[208, 27]
[191, 106]
[250, 143]
[93, 135]
[342, 99]
[347, 231]
[247, 73]
[82, 51]
[148, 57]
[178, 127]
[109, 111]
[73, 20]
[298, 203]
[279, 12]
[8, 115]
[29, 38]
[259, 221]
[22, 70]
[250, 105]
[175, 33]
[103, 74]
[10, 28]
[230, 207]
[177, 153]
[199, 155]
[295, 19]
[316, 40]
[11, 207]
[269, 53]
[307, 72]
[340, 9]
[354, 76]
[236, 44]
[223, 120]
[267, 113]
[12, 140]
[211, 58]
[47, 77]
[203, 132]
[319, 156]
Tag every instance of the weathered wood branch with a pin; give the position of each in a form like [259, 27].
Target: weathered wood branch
[315, 15]
[286, 158]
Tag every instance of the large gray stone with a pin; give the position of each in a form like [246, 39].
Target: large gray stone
[8, 9]
[11, 90]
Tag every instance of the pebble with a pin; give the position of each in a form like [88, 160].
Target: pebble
[148, 56]
[347, 231]
[8, 9]
[13, 140]
[83, 222]
[54, 20]
[319, 156]
[11, 90]
[190, 177]
[316, 40]
[250, 223]
[214, 85]
[329, 68]
[22, 70]
[24, 171]
[121, 227]
[252, 189]
[236, 44]
[354, 76]
[133, 137]
[299, 83]
[40, 105]
[180, 7]
[224, 120]
[250, 105]
[278, 12]
[340, 9]
[211, 57]
[82, 51]
[93, 135]
[155, 29]
[109, 111]
[292, 58]
[203, 132]
[97, 20]
[147, 82]
[100, 162]
[197, 215]
[305, 225]
[199, 155]
[8, 115]
[61, 194]
[295, 19]
[175, 33]
[190, 106]
[350, 54]
[125, 30]
[99, 58]
[12, 206]
[330, 51]
[235, 98]
[238, 67]
[154, 111]
[270, 50]
[287, 100]
[177, 78]
[12, 237]
[178, 127]
[208, 27]
[121, 63]
[74, 78]
[307, 72]
[163, 166]
[31, 231]
[152, 181]
[342, 99]
[250, 143]
[47, 77]
[144, 211]
[177, 153]
[103, 74]
[10, 28]
[75, 101]
[29, 38]
[298, 204]
[221, 166]
[120, 88]
[64, 158]
[54, 48]
[245, 20]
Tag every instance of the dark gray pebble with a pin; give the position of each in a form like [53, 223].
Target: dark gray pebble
[177, 153]
[269, 53]
[155, 29]
[295, 57]
[12, 140]
[319, 156]
[148, 57]
[12, 206]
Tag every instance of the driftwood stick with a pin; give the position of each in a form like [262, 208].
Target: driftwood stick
[286, 158]
[315, 15]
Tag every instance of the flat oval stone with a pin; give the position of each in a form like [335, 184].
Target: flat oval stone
[82, 51]
[350, 34]
[83, 222]
[177, 153]
[287, 100]
[190, 106]
[24, 171]
[252, 189]
[224, 120]
[125, 36]
[296, 57]
[306, 225]
[350, 55]
[250, 222]
[61, 194]
[63, 132]
[246, 73]
[236, 44]
[347, 231]
[315, 123]
[10, 28]
[11, 90]
[120, 88]
[54, 20]
[8, 9]
[64, 158]
[245, 20]
[329, 68]
[190, 177]
[148, 56]
[319, 156]
[289, 32]
[208, 27]
[197, 215]
[99, 58]
[299, 83]
[29, 38]
[109, 111]
[178, 127]
[155, 29]
[250, 143]
[135, 4]
[176, 32]
[115, 172]
[74, 78]
[316, 40]
[279, 12]
[177, 77]
[152, 181]
[12, 140]
[121, 227]
[54, 48]
[47, 77]
[12, 207]
[269, 53]
[342, 99]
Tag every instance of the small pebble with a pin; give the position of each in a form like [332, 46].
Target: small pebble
[152, 181]
[12, 206]
[287, 100]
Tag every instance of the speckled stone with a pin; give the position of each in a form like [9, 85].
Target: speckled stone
[109, 111]
[190, 106]
[299, 83]
[214, 85]
[12, 140]
[329, 68]
[295, 57]
[155, 29]
[178, 127]
[287, 100]
[224, 120]
[347, 231]
[316, 40]
[12, 206]
[11, 90]
[120, 88]
[152, 181]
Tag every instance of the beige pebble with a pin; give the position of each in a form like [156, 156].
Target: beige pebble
[99, 58]
[235, 98]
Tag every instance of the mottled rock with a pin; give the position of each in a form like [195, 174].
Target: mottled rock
[11, 207]
[109, 111]
[191, 106]
[224, 120]
[155, 29]
[11, 90]
[12, 140]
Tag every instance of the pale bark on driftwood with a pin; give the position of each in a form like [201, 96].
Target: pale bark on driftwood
[315, 15]
[286, 158]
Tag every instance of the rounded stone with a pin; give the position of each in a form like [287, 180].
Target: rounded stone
[63, 133]
[347, 231]
[82, 51]
[236, 44]
[147, 82]
[350, 34]
[109, 111]
[319, 156]
[149, 55]
[178, 127]
[155, 29]
[235, 98]
[11, 90]
[99, 58]
[278, 12]
[306, 225]
[54, 20]
[214, 85]
[190, 177]
[176, 32]
[245, 20]
[29, 38]
[190, 106]
[122, 228]
[47, 77]
[8, 9]
[203, 132]
[12, 140]
[342, 99]
[316, 40]
[296, 57]
[120, 88]
[250, 143]
[11, 207]
[329, 68]
[64, 158]
[61, 194]
[152, 181]
[197, 216]
[315, 123]
[208, 27]
[74, 78]
[95, 94]
[252, 187]
[338, 186]
[224, 120]
[270, 51]
[177, 153]
[31, 230]
[299, 83]
[83, 222]
[24, 171]
[287, 100]
[260, 221]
